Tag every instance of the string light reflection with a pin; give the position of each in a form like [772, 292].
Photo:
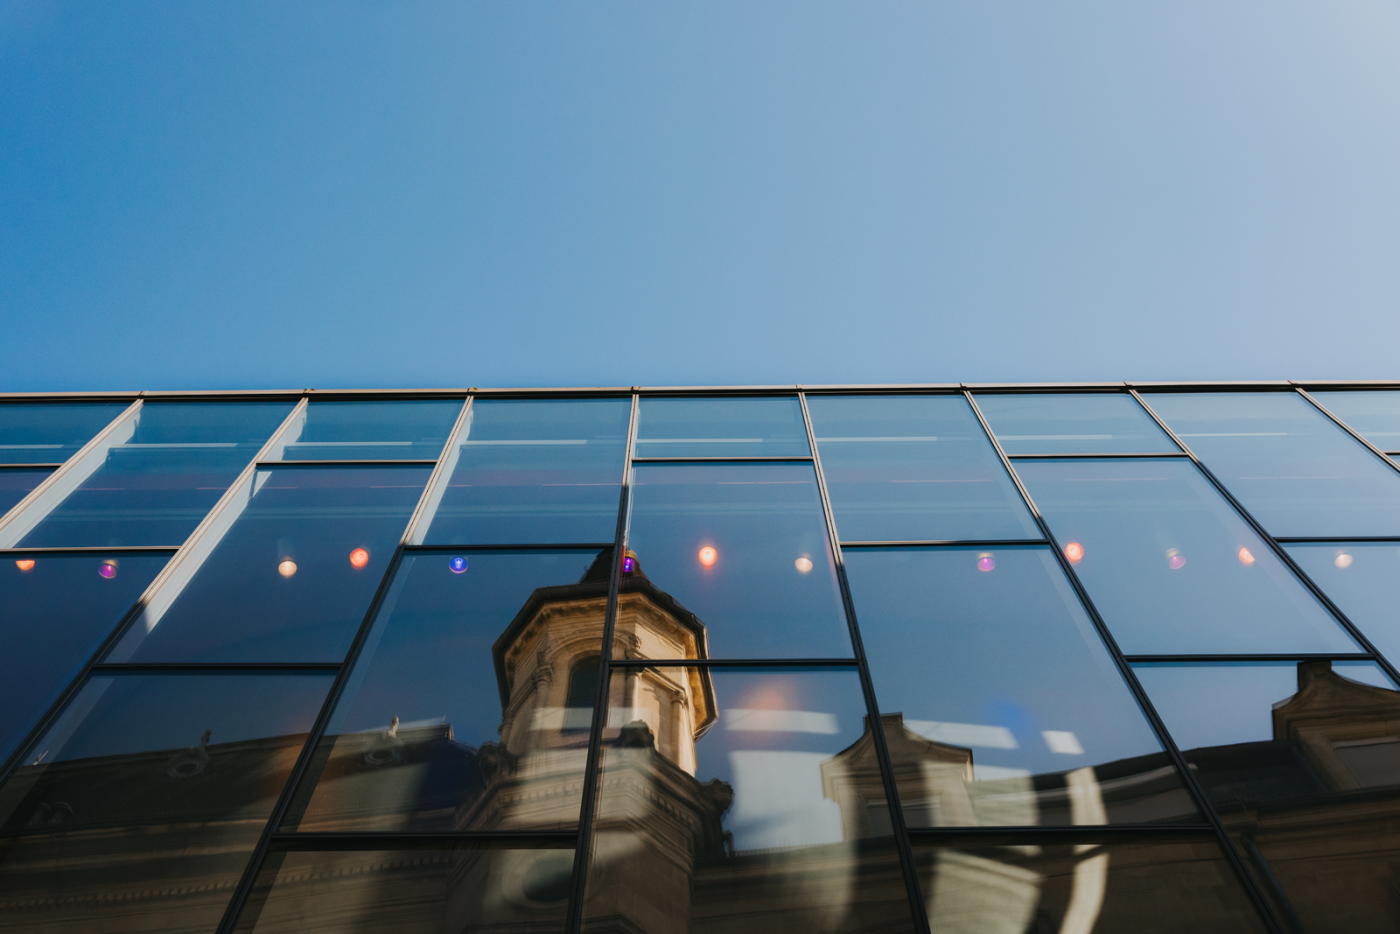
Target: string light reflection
[985, 561]
[1074, 552]
[1174, 559]
[804, 564]
[1245, 557]
[708, 556]
[457, 565]
[359, 558]
[287, 568]
[108, 568]
[25, 564]
[1343, 560]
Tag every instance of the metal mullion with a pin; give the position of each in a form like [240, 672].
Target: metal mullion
[92, 549]
[734, 663]
[779, 458]
[195, 667]
[872, 706]
[1282, 553]
[49, 466]
[578, 884]
[436, 477]
[950, 543]
[351, 462]
[1108, 456]
[528, 546]
[1068, 832]
[1348, 429]
[1125, 670]
[1334, 539]
[353, 841]
[1250, 657]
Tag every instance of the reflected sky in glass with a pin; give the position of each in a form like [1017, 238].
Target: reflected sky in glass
[721, 427]
[1374, 415]
[1170, 565]
[1073, 423]
[1004, 686]
[292, 578]
[414, 430]
[1363, 580]
[744, 548]
[1295, 470]
[51, 432]
[533, 471]
[17, 482]
[914, 468]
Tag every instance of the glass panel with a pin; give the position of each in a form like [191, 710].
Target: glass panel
[1149, 885]
[467, 888]
[720, 427]
[139, 808]
[914, 468]
[765, 814]
[1000, 704]
[457, 716]
[18, 482]
[55, 610]
[1073, 423]
[1373, 415]
[1363, 580]
[163, 471]
[1303, 763]
[1294, 470]
[1170, 565]
[291, 578]
[744, 548]
[369, 431]
[51, 432]
[533, 472]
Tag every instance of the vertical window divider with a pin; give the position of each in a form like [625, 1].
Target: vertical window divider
[1347, 428]
[1228, 850]
[579, 881]
[877, 731]
[258, 857]
[437, 481]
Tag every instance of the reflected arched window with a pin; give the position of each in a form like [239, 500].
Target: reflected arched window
[583, 691]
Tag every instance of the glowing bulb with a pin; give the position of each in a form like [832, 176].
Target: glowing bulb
[1245, 557]
[804, 564]
[108, 568]
[708, 556]
[359, 558]
[1343, 560]
[985, 561]
[628, 564]
[25, 564]
[1174, 559]
[458, 565]
[287, 568]
[1074, 552]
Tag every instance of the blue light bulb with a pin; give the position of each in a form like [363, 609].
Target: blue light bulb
[458, 565]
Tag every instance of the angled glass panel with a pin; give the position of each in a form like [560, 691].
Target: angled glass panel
[914, 468]
[721, 427]
[1292, 467]
[1302, 762]
[55, 610]
[18, 482]
[532, 471]
[369, 431]
[744, 548]
[288, 574]
[1375, 416]
[1146, 885]
[1169, 563]
[1073, 423]
[143, 802]
[468, 886]
[50, 432]
[1363, 580]
[710, 776]
[154, 478]
[1000, 704]
[459, 714]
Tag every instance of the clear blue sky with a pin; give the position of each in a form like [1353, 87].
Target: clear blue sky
[221, 195]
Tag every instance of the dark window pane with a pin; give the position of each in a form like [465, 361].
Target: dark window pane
[914, 468]
[1290, 465]
[741, 800]
[743, 547]
[1373, 415]
[473, 887]
[1073, 423]
[55, 610]
[369, 431]
[1146, 886]
[18, 482]
[533, 472]
[721, 428]
[157, 476]
[1363, 580]
[455, 716]
[140, 806]
[1001, 705]
[1169, 563]
[291, 578]
[1303, 764]
[50, 432]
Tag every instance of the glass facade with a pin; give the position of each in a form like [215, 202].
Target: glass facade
[1000, 659]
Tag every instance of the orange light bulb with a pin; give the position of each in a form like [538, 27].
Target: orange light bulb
[25, 564]
[1074, 552]
[359, 558]
[287, 568]
[804, 564]
[1245, 557]
[708, 556]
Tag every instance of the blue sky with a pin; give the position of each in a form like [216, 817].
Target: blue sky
[227, 195]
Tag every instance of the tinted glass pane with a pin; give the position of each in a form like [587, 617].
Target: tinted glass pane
[163, 473]
[55, 610]
[721, 428]
[744, 548]
[1073, 423]
[1001, 705]
[1170, 565]
[139, 808]
[1373, 415]
[17, 482]
[457, 716]
[370, 431]
[714, 776]
[1290, 465]
[50, 432]
[1363, 580]
[533, 472]
[292, 578]
[914, 468]
[471, 888]
[1303, 764]
[1146, 886]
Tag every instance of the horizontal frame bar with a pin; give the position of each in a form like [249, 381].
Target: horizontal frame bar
[1106, 456]
[733, 663]
[1360, 539]
[988, 836]
[356, 462]
[986, 543]
[738, 458]
[92, 550]
[1258, 657]
[331, 841]
[570, 546]
[166, 667]
[31, 466]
